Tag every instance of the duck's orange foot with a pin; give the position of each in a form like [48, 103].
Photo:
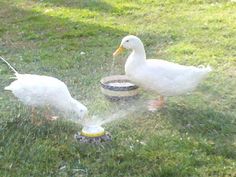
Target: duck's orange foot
[154, 105]
[52, 118]
[48, 115]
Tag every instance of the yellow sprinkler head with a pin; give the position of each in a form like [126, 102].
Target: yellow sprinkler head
[93, 131]
[93, 134]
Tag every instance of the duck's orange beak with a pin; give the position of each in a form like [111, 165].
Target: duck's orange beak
[118, 51]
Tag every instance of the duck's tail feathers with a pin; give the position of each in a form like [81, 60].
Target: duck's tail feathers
[14, 77]
[206, 69]
[10, 66]
[8, 88]
[209, 68]
[202, 72]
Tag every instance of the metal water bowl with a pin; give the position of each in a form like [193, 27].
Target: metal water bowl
[118, 87]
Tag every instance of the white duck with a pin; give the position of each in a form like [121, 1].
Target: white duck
[40, 91]
[165, 78]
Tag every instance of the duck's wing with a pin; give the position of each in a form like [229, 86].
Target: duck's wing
[39, 90]
[172, 70]
[172, 79]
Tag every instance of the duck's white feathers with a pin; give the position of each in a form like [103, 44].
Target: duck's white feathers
[37, 90]
[167, 78]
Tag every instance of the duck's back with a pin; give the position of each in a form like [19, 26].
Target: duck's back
[37, 90]
[169, 78]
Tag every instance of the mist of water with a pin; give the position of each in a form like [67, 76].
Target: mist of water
[112, 66]
[122, 111]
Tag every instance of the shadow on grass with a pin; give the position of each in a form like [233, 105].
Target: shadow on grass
[214, 130]
[94, 5]
[37, 26]
[55, 37]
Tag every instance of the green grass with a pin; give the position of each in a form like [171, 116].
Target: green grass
[194, 135]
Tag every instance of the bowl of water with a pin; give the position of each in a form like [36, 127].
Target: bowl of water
[118, 87]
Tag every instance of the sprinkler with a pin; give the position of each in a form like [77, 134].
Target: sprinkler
[93, 134]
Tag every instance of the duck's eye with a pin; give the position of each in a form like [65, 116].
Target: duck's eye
[127, 41]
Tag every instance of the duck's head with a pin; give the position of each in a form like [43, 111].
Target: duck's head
[129, 42]
[79, 109]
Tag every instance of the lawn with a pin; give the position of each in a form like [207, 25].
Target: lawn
[73, 40]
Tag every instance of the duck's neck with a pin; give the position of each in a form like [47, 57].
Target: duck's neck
[137, 58]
